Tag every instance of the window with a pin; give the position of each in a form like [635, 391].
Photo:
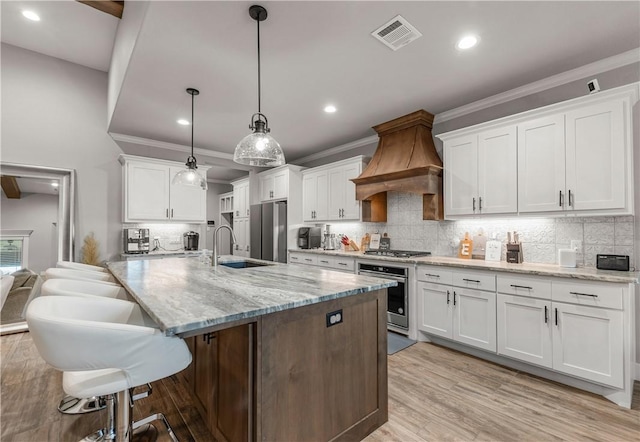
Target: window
[14, 250]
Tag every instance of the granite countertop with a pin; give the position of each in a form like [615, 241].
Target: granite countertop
[164, 253]
[585, 273]
[183, 295]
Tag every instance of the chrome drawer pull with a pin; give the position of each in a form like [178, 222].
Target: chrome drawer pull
[583, 294]
[521, 286]
[431, 276]
[342, 263]
[471, 280]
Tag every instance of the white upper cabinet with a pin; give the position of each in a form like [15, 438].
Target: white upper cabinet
[573, 157]
[595, 153]
[328, 192]
[541, 165]
[274, 184]
[149, 194]
[480, 173]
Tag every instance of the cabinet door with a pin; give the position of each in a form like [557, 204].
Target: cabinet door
[241, 199]
[266, 187]
[281, 185]
[541, 165]
[187, 203]
[498, 171]
[336, 193]
[595, 156]
[435, 313]
[309, 196]
[322, 196]
[474, 318]
[588, 342]
[147, 192]
[241, 236]
[204, 372]
[350, 205]
[524, 329]
[461, 175]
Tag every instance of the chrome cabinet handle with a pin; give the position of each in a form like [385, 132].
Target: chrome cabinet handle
[342, 263]
[570, 199]
[431, 275]
[521, 286]
[308, 259]
[471, 280]
[167, 213]
[171, 213]
[560, 199]
[447, 297]
[454, 297]
[247, 248]
[480, 204]
[583, 294]
[556, 316]
[546, 315]
[474, 204]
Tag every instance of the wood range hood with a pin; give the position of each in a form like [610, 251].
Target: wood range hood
[406, 160]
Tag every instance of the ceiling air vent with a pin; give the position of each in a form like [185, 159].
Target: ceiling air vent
[396, 33]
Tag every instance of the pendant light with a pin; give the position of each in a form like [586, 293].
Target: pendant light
[190, 176]
[259, 148]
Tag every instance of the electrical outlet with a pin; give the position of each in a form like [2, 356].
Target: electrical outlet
[577, 245]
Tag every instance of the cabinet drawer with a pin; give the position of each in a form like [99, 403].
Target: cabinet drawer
[346, 264]
[301, 258]
[434, 274]
[524, 286]
[593, 294]
[474, 280]
[325, 261]
[309, 259]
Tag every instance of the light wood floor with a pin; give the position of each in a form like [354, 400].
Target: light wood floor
[435, 394]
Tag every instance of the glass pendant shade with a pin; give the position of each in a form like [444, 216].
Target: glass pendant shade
[259, 149]
[190, 176]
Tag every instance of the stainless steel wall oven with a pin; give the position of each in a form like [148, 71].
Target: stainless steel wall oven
[397, 297]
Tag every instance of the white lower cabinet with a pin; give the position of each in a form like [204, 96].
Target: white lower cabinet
[588, 342]
[524, 329]
[463, 314]
[571, 338]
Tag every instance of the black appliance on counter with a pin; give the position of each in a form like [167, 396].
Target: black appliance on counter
[309, 237]
[191, 240]
[135, 240]
[268, 231]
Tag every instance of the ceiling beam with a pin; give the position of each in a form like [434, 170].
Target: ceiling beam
[10, 186]
[112, 7]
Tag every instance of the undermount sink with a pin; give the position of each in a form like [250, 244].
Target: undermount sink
[243, 264]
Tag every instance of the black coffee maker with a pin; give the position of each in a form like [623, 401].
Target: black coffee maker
[191, 240]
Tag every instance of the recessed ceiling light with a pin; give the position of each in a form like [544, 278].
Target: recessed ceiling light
[54, 184]
[183, 122]
[467, 42]
[330, 109]
[31, 15]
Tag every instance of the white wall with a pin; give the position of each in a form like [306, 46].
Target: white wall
[54, 113]
[37, 212]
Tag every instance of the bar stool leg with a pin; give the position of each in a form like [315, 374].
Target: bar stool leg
[74, 405]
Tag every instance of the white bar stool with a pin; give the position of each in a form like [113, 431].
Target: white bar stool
[79, 266]
[82, 275]
[105, 347]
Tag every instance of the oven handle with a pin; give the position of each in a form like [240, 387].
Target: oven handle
[382, 275]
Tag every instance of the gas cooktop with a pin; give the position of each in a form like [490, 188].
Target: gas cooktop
[396, 253]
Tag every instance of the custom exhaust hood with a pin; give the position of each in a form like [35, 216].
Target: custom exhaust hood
[406, 160]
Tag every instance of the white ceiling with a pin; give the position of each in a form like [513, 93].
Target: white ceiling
[315, 53]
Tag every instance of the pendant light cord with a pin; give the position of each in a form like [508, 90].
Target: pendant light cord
[259, 92]
[192, 100]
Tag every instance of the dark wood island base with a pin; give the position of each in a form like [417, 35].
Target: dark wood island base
[313, 373]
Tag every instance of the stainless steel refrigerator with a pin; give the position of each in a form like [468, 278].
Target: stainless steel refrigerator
[268, 230]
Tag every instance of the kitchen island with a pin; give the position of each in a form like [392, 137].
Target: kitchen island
[281, 352]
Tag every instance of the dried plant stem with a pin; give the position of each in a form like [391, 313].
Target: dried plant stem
[90, 252]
